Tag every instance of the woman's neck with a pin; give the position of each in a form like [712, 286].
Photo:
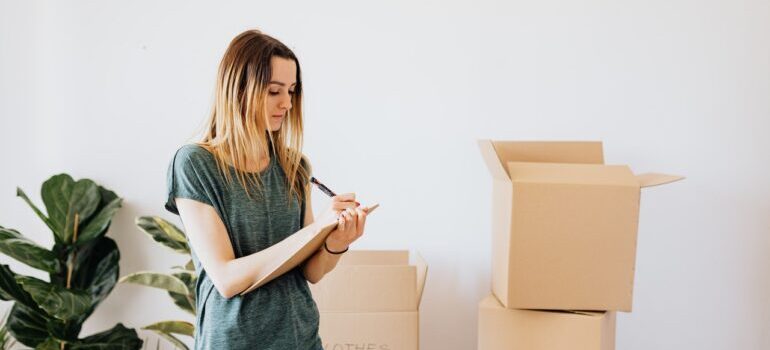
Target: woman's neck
[253, 164]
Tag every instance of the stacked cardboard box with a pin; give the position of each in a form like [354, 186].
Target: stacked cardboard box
[564, 228]
[371, 301]
[511, 329]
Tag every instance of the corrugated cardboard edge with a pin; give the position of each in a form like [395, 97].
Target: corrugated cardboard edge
[362, 270]
[589, 313]
[492, 160]
[493, 302]
[655, 179]
[585, 152]
[422, 273]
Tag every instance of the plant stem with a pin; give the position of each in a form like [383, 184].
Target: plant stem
[70, 262]
[74, 253]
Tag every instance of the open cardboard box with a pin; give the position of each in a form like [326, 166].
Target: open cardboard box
[501, 328]
[564, 225]
[371, 300]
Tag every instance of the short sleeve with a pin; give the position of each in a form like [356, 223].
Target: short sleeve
[305, 164]
[189, 176]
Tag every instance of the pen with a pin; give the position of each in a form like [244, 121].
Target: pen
[325, 189]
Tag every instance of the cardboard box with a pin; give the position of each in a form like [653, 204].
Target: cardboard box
[371, 301]
[370, 330]
[501, 328]
[564, 225]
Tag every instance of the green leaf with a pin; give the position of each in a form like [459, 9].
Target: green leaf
[171, 230]
[117, 338]
[63, 198]
[5, 338]
[97, 271]
[178, 327]
[184, 302]
[174, 340]
[156, 280]
[37, 211]
[24, 250]
[62, 252]
[11, 290]
[164, 233]
[27, 325]
[190, 266]
[59, 329]
[188, 278]
[49, 344]
[98, 224]
[57, 301]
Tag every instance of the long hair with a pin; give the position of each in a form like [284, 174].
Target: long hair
[238, 127]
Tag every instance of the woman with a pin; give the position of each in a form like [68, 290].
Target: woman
[245, 187]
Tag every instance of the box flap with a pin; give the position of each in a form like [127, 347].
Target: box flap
[589, 313]
[584, 152]
[655, 179]
[367, 288]
[422, 272]
[565, 173]
[375, 257]
[372, 281]
[493, 162]
[491, 302]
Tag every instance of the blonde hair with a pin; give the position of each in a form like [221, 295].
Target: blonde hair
[238, 128]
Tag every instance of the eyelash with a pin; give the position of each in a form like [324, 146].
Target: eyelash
[277, 92]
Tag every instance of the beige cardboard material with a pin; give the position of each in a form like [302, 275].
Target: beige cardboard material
[585, 152]
[371, 300]
[501, 328]
[295, 249]
[370, 330]
[564, 225]
[372, 281]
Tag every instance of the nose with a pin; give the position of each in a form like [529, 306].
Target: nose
[285, 102]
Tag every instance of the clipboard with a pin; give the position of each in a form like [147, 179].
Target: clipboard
[302, 245]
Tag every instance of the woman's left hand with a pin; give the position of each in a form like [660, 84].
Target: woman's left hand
[350, 226]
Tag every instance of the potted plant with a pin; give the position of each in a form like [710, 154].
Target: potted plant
[82, 267]
[179, 284]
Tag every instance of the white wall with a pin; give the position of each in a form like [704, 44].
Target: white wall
[397, 92]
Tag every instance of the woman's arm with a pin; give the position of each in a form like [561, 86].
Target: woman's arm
[208, 237]
[350, 227]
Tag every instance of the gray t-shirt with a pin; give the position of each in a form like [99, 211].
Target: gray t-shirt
[280, 315]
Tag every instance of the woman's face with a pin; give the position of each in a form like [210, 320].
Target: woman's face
[280, 90]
